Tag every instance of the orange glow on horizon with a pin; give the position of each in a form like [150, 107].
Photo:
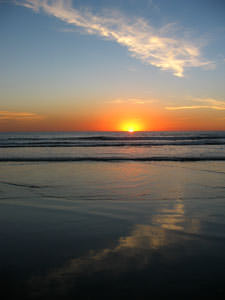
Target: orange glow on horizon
[127, 119]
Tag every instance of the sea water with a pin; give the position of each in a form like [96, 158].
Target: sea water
[148, 146]
[112, 215]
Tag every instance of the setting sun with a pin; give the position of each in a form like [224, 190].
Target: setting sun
[131, 126]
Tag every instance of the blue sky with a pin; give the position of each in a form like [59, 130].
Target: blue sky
[93, 56]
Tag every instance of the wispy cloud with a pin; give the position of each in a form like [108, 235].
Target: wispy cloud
[207, 103]
[156, 47]
[8, 115]
[131, 101]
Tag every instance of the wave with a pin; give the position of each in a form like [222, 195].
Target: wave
[32, 186]
[119, 138]
[112, 159]
[111, 139]
[115, 144]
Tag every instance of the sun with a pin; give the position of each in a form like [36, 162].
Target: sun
[131, 126]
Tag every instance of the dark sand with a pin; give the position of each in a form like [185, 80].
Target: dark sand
[112, 230]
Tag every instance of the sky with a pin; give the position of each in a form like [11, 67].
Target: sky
[74, 65]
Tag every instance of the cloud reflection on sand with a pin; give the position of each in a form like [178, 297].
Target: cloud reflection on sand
[135, 252]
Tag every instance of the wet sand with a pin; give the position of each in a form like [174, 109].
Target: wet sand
[102, 230]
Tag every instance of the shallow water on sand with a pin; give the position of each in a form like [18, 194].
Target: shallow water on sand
[90, 230]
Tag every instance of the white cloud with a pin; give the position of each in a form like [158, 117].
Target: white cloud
[207, 103]
[155, 47]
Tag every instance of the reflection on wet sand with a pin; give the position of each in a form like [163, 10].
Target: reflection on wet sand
[172, 243]
[133, 252]
[173, 216]
[149, 256]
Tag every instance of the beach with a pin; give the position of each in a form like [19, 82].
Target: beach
[90, 230]
[112, 150]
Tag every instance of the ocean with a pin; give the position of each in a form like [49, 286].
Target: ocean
[111, 146]
[105, 215]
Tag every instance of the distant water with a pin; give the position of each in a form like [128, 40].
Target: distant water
[110, 146]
